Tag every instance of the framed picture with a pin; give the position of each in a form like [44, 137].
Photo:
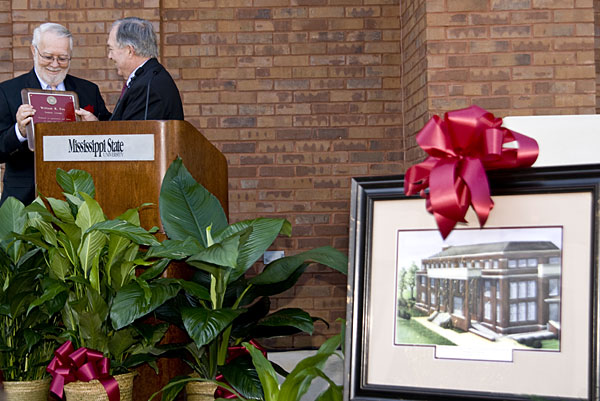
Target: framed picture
[507, 312]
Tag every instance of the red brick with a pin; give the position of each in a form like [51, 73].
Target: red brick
[517, 31]
[497, 5]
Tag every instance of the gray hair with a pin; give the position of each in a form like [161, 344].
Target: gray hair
[137, 33]
[56, 29]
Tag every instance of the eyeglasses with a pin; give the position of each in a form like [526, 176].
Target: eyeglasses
[48, 58]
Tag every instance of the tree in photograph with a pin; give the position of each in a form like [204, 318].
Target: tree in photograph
[411, 279]
[401, 283]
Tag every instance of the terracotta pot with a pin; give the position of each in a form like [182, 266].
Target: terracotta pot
[94, 391]
[34, 390]
[200, 391]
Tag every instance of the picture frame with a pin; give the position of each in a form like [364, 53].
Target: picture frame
[554, 202]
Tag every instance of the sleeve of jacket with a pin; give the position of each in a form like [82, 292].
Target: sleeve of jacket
[8, 138]
[102, 112]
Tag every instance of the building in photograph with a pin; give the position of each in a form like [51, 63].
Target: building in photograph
[507, 287]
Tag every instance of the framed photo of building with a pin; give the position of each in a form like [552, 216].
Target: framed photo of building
[504, 312]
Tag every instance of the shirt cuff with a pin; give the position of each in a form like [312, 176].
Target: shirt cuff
[19, 136]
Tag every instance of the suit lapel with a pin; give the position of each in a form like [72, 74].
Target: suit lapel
[32, 80]
[69, 83]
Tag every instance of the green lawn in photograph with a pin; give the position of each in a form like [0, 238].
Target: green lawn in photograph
[412, 332]
[552, 344]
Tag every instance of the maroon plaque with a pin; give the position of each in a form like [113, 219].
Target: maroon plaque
[50, 106]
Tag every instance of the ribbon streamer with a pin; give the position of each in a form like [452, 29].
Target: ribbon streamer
[461, 147]
[69, 365]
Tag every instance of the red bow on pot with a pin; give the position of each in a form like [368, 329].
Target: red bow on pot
[69, 365]
[461, 147]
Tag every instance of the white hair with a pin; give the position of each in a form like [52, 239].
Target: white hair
[56, 29]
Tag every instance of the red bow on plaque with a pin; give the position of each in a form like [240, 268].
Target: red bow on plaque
[83, 364]
[232, 353]
[461, 147]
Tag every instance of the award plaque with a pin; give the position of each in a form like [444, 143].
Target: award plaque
[50, 106]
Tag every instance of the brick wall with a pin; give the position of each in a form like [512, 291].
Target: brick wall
[6, 31]
[512, 57]
[414, 74]
[302, 95]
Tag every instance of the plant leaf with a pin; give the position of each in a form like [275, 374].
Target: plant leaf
[61, 209]
[222, 254]
[89, 254]
[126, 230]
[12, 219]
[266, 374]
[45, 228]
[262, 234]
[298, 381]
[195, 289]
[186, 207]
[50, 292]
[242, 376]
[204, 325]
[89, 213]
[175, 249]
[130, 302]
[122, 341]
[280, 269]
[293, 317]
[155, 270]
[75, 181]
[333, 393]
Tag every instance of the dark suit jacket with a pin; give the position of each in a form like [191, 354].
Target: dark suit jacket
[164, 102]
[19, 171]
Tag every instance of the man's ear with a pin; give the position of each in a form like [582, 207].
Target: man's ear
[32, 47]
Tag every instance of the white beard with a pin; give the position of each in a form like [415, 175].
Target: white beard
[46, 76]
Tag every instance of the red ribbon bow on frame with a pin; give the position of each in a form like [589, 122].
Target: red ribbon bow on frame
[69, 365]
[461, 147]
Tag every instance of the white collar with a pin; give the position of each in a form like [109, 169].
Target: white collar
[44, 85]
[134, 71]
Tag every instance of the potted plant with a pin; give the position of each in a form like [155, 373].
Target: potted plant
[222, 306]
[294, 385]
[90, 259]
[27, 333]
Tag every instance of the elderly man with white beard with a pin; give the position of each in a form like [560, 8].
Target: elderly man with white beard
[51, 48]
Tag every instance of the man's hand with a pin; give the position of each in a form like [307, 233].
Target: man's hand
[86, 115]
[24, 116]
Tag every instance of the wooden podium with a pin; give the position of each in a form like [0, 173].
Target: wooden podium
[125, 184]
[121, 185]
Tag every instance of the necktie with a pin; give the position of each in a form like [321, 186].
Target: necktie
[123, 89]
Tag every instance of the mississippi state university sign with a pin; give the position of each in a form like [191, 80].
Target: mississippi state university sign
[98, 147]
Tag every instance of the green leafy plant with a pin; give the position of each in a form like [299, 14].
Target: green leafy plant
[90, 259]
[27, 333]
[223, 306]
[287, 386]
[298, 381]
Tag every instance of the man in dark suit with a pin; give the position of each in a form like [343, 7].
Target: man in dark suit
[51, 48]
[150, 92]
